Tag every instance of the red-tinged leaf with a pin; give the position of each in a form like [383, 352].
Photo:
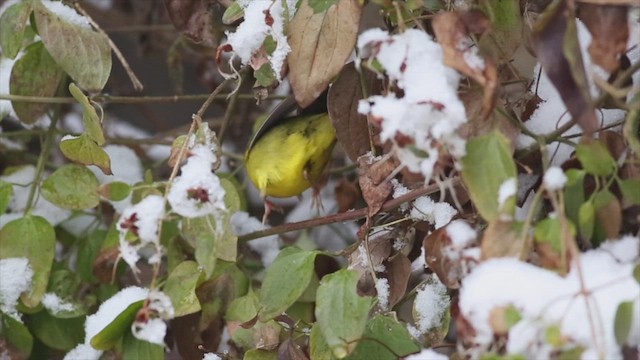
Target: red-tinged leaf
[556, 42]
[34, 74]
[320, 45]
[352, 129]
[82, 52]
[609, 33]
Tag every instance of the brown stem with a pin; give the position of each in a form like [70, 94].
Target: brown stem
[341, 217]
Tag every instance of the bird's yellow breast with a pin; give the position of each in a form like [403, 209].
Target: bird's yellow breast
[291, 156]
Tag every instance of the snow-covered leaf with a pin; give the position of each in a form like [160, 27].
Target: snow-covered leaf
[121, 324]
[30, 237]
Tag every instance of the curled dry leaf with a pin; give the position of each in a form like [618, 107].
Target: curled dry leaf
[398, 272]
[373, 181]
[320, 45]
[609, 33]
[452, 30]
[361, 262]
[352, 129]
[195, 19]
[449, 262]
[346, 195]
[556, 43]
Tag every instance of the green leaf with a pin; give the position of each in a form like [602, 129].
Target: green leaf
[258, 354]
[490, 151]
[34, 74]
[88, 249]
[384, 338]
[6, 193]
[82, 52]
[109, 336]
[632, 124]
[285, 281]
[31, 237]
[553, 336]
[16, 334]
[341, 312]
[318, 347]
[243, 309]
[623, 321]
[636, 273]
[319, 6]
[133, 348]
[201, 231]
[56, 333]
[115, 191]
[505, 35]
[595, 158]
[12, 25]
[630, 190]
[181, 288]
[232, 14]
[91, 120]
[549, 231]
[574, 193]
[265, 76]
[72, 187]
[586, 219]
[85, 151]
[263, 335]
[512, 316]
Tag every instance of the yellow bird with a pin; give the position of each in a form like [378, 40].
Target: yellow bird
[289, 157]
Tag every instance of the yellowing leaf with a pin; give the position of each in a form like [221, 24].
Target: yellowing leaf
[85, 151]
[320, 45]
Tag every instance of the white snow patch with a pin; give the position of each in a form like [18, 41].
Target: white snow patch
[554, 179]
[16, 277]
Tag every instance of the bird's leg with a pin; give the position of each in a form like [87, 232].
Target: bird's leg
[316, 201]
[268, 207]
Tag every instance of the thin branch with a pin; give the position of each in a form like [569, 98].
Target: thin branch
[109, 99]
[341, 217]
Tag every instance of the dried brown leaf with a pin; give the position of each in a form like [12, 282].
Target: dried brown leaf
[359, 260]
[556, 42]
[436, 257]
[375, 189]
[452, 30]
[610, 218]
[609, 31]
[352, 129]
[195, 19]
[289, 350]
[346, 195]
[320, 45]
[502, 239]
[398, 272]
